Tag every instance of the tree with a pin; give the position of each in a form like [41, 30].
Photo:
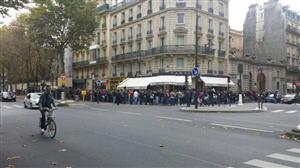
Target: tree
[5, 5]
[58, 24]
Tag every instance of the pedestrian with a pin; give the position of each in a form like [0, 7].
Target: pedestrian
[135, 97]
[261, 98]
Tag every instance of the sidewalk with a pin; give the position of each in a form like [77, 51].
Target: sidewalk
[245, 108]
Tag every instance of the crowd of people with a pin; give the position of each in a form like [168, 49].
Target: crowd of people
[209, 97]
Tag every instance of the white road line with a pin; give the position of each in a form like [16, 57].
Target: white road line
[285, 157]
[295, 150]
[7, 107]
[277, 111]
[238, 127]
[18, 106]
[124, 112]
[291, 111]
[264, 164]
[99, 109]
[171, 118]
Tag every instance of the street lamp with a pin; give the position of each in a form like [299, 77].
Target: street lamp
[3, 73]
[196, 55]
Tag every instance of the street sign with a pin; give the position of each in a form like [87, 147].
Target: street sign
[195, 72]
[98, 82]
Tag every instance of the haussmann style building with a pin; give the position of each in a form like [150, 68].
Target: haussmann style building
[139, 38]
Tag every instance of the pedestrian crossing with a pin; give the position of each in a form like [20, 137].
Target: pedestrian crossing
[285, 111]
[289, 159]
[11, 106]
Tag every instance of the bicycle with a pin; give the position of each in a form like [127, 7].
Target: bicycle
[50, 122]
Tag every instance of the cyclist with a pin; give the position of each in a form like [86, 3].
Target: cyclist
[46, 101]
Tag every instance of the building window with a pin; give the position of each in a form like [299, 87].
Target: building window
[130, 31]
[115, 21]
[149, 44]
[139, 46]
[150, 26]
[221, 9]
[115, 36]
[162, 41]
[221, 46]
[130, 48]
[179, 63]
[210, 43]
[221, 28]
[123, 17]
[162, 64]
[130, 13]
[162, 22]
[123, 50]
[180, 18]
[210, 24]
[115, 51]
[139, 28]
[139, 9]
[150, 5]
[115, 69]
[209, 65]
[162, 4]
[210, 4]
[130, 68]
[98, 37]
[180, 40]
[123, 33]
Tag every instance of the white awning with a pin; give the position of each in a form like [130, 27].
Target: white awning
[143, 82]
[216, 81]
[93, 47]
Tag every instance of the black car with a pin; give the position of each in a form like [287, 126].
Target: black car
[289, 99]
[7, 96]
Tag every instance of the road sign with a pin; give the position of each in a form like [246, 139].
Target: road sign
[195, 72]
[98, 82]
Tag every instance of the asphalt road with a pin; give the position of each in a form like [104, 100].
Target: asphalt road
[106, 135]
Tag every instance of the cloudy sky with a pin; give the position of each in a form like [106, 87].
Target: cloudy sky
[237, 11]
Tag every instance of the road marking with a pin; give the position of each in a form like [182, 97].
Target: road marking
[277, 111]
[99, 109]
[171, 118]
[264, 164]
[295, 150]
[291, 111]
[124, 112]
[285, 157]
[18, 106]
[244, 128]
[7, 107]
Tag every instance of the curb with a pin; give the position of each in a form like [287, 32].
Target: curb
[220, 111]
[293, 134]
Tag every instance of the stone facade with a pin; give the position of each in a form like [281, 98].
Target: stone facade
[271, 39]
[150, 37]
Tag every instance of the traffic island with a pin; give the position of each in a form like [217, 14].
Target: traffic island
[294, 134]
[63, 103]
[245, 108]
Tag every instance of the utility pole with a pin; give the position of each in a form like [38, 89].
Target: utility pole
[196, 56]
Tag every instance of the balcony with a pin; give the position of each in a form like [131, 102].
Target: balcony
[114, 74]
[211, 31]
[221, 34]
[130, 38]
[102, 8]
[293, 30]
[139, 36]
[97, 61]
[114, 24]
[139, 15]
[123, 21]
[199, 31]
[149, 11]
[221, 72]
[180, 4]
[292, 68]
[210, 71]
[161, 70]
[115, 41]
[161, 7]
[122, 74]
[122, 40]
[171, 49]
[103, 25]
[221, 53]
[80, 64]
[221, 14]
[210, 10]
[130, 18]
[162, 31]
[149, 34]
[198, 6]
[129, 74]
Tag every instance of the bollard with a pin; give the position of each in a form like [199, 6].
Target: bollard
[240, 99]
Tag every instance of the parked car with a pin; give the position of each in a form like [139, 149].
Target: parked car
[289, 98]
[32, 100]
[272, 99]
[7, 96]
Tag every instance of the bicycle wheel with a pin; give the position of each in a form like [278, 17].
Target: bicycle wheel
[52, 128]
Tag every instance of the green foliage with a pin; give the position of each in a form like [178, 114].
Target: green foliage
[57, 24]
[6, 4]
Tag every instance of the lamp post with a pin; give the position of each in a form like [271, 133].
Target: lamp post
[196, 55]
[3, 73]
